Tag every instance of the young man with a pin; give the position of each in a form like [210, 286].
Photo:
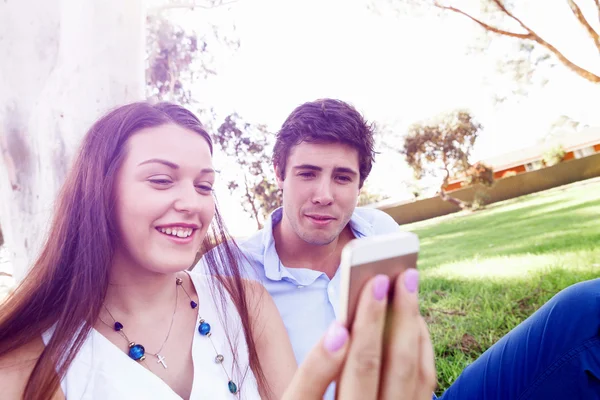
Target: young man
[322, 156]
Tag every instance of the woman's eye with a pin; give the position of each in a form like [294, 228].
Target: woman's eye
[160, 181]
[204, 188]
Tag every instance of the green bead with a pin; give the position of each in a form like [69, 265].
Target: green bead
[232, 387]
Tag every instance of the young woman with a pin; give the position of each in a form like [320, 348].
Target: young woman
[108, 310]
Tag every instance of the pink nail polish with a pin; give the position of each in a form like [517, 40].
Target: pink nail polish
[411, 280]
[335, 338]
[381, 286]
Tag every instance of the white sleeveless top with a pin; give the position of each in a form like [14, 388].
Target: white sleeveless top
[101, 370]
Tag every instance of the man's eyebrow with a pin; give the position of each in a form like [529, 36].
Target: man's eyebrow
[308, 166]
[343, 170]
[160, 161]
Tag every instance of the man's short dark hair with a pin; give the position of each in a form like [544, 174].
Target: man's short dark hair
[326, 121]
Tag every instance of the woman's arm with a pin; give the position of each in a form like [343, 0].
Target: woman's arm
[271, 339]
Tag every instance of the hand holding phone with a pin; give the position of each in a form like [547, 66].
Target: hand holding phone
[364, 366]
[364, 258]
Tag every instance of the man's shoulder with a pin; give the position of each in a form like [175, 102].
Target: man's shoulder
[249, 252]
[253, 246]
[380, 221]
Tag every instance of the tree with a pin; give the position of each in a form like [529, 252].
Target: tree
[523, 52]
[564, 125]
[65, 63]
[176, 58]
[554, 155]
[170, 53]
[247, 144]
[500, 18]
[367, 197]
[444, 145]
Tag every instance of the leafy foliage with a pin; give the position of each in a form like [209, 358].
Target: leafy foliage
[367, 197]
[443, 145]
[176, 58]
[170, 54]
[480, 173]
[554, 155]
[247, 144]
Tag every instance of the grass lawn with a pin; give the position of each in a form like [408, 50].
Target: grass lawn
[485, 272]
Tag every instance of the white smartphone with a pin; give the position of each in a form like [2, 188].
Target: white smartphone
[366, 257]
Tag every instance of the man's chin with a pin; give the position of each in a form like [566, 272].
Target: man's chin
[319, 239]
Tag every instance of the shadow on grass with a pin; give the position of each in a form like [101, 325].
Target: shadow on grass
[467, 316]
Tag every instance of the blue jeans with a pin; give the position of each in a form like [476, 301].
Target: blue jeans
[554, 354]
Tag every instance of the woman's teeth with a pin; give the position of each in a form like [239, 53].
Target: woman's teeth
[179, 232]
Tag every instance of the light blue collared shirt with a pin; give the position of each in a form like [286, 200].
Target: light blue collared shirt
[307, 300]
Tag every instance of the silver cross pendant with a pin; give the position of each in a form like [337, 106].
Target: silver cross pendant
[161, 360]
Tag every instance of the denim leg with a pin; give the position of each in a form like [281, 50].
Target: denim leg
[554, 354]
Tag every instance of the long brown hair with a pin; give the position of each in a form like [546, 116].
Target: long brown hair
[67, 284]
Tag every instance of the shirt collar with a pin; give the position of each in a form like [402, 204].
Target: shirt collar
[272, 264]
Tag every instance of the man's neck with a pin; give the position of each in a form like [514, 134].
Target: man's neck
[296, 253]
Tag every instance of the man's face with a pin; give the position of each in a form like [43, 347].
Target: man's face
[320, 190]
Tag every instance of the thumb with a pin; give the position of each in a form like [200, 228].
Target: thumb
[321, 367]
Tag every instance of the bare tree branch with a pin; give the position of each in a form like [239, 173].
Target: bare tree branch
[583, 21]
[502, 8]
[598, 7]
[530, 35]
[487, 27]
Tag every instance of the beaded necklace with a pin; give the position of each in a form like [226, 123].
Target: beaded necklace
[138, 353]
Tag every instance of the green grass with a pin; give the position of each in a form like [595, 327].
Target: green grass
[485, 272]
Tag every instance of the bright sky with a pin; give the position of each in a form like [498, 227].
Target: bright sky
[395, 69]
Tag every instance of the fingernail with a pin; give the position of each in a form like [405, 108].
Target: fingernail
[411, 280]
[381, 286]
[335, 338]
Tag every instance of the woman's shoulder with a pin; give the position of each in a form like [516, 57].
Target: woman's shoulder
[251, 286]
[254, 291]
[16, 367]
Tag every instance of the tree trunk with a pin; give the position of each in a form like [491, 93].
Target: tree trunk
[251, 201]
[65, 62]
[443, 193]
[463, 205]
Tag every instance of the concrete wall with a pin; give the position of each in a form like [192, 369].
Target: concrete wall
[507, 188]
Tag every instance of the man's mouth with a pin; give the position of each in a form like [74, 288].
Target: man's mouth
[322, 219]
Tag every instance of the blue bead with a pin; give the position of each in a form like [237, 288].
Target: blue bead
[232, 387]
[118, 326]
[137, 351]
[193, 304]
[204, 328]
